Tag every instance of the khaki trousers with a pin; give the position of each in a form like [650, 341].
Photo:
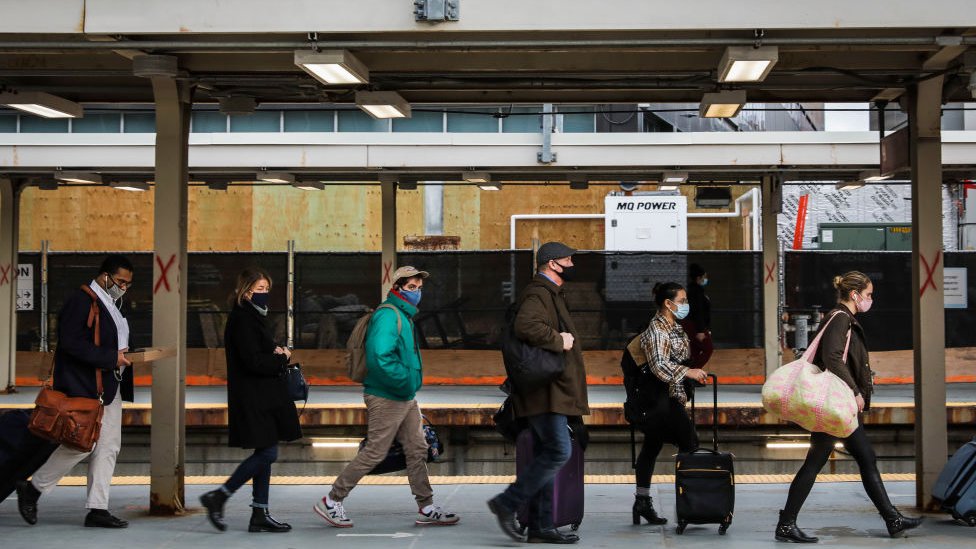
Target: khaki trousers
[388, 420]
[101, 465]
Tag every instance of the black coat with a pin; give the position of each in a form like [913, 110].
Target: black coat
[701, 309]
[260, 410]
[856, 372]
[76, 358]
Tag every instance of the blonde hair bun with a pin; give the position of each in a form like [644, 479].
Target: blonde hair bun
[837, 281]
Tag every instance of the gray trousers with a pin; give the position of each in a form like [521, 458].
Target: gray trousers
[388, 420]
[101, 465]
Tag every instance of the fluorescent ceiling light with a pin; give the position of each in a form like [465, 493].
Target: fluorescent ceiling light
[476, 177]
[723, 104]
[849, 185]
[383, 104]
[309, 185]
[667, 187]
[747, 64]
[491, 187]
[78, 177]
[42, 104]
[873, 176]
[134, 186]
[275, 177]
[333, 67]
[674, 178]
[795, 445]
[335, 443]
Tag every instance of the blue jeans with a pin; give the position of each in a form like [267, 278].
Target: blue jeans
[535, 483]
[257, 466]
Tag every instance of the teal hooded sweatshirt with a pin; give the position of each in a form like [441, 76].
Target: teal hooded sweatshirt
[393, 367]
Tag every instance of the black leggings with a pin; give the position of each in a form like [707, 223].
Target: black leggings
[676, 428]
[821, 445]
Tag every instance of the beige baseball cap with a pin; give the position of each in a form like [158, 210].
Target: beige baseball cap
[408, 271]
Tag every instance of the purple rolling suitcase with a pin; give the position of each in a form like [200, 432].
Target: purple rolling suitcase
[567, 494]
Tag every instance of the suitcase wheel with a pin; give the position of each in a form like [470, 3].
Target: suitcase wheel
[723, 528]
[681, 528]
[970, 518]
[575, 526]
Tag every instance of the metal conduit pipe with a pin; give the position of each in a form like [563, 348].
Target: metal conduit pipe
[177, 45]
[752, 195]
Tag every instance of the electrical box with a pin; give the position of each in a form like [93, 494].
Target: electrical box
[646, 223]
[866, 236]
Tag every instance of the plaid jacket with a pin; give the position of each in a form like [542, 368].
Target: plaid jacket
[666, 346]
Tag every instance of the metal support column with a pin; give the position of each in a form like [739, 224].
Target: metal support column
[928, 306]
[291, 295]
[173, 102]
[771, 206]
[9, 222]
[389, 237]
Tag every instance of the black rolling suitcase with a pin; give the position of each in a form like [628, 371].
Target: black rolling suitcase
[705, 481]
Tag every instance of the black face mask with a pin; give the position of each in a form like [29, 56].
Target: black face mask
[568, 273]
[261, 300]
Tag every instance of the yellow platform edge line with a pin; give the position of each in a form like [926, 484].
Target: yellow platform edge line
[391, 480]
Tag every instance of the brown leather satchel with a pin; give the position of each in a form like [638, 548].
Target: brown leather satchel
[74, 422]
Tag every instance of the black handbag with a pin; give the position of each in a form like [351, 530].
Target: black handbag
[295, 381]
[529, 368]
[507, 424]
[396, 460]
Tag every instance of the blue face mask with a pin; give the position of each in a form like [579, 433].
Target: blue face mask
[412, 297]
[682, 312]
[260, 300]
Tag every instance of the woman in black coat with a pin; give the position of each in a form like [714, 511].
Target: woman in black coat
[260, 411]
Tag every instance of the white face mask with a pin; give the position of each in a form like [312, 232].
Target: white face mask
[114, 291]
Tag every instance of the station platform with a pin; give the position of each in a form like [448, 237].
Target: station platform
[838, 512]
[473, 406]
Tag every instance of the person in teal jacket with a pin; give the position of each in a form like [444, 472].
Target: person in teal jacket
[394, 374]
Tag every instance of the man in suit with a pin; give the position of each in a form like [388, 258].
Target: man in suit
[78, 360]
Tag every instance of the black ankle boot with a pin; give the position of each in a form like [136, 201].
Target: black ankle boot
[787, 530]
[899, 524]
[214, 501]
[262, 521]
[644, 507]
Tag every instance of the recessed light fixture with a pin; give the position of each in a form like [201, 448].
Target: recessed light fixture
[78, 177]
[665, 187]
[335, 442]
[383, 105]
[333, 67]
[133, 186]
[476, 177]
[747, 64]
[275, 177]
[723, 104]
[42, 104]
[491, 187]
[309, 185]
[873, 176]
[674, 178]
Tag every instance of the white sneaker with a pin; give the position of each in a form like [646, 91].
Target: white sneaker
[335, 514]
[437, 516]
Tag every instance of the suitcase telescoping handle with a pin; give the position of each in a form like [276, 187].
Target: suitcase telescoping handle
[714, 379]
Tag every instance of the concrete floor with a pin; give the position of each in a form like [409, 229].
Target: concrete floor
[839, 513]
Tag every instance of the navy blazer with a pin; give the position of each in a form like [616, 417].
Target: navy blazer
[77, 358]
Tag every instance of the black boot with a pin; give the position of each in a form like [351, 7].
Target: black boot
[899, 524]
[644, 507]
[27, 497]
[214, 501]
[262, 521]
[787, 530]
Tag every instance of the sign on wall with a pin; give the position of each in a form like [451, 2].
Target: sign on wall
[25, 287]
[955, 288]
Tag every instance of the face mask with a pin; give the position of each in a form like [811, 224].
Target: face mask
[682, 312]
[704, 282]
[261, 299]
[114, 291]
[568, 273]
[412, 297]
[863, 304]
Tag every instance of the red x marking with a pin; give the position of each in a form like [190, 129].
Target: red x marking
[930, 272]
[770, 271]
[386, 272]
[163, 273]
[5, 274]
